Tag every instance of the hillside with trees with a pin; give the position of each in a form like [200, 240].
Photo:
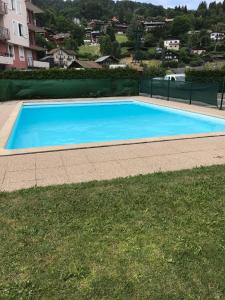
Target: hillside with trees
[191, 27]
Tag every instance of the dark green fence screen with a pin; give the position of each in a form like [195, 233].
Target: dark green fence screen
[77, 88]
[206, 93]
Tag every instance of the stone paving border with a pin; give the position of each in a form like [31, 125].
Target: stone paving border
[103, 163]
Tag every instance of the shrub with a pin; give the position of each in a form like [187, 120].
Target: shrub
[70, 74]
[170, 64]
[196, 62]
[205, 75]
[154, 71]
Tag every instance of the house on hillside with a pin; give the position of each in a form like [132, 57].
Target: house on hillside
[84, 64]
[120, 28]
[198, 51]
[62, 57]
[149, 26]
[106, 61]
[169, 20]
[92, 37]
[95, 36]
[172, 44]
[217, 36]
[60, 38]
[170, 56]
[97, 25]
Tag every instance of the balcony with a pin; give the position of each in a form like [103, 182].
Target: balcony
[6, 59]
[4, 34]
[31, 7]
[35, 28]
[3, 8]
[37, 64]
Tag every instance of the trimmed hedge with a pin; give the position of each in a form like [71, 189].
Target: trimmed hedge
[215, 76]
[57, 83]
[70, 74]
[80, 74]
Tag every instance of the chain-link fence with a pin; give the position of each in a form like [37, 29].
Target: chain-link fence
[188, 92]
[74, 88]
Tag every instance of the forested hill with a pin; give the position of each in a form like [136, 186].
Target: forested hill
[102, 9]
[58, 11]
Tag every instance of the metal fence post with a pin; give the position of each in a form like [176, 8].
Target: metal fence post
[222, 96]
[190, 94]
[168, 91]
[151, 93]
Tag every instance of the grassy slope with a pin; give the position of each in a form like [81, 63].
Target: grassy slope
[152, 63]
[121, 38]
[159, 236]
[92, 49]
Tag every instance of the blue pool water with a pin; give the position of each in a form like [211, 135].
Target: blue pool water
[65, 124]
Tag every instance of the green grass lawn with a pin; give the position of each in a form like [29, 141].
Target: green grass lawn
[158, 236]
[121, 38]
[152, 63]
[89, 49]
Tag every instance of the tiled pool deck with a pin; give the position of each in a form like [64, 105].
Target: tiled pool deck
[79, 165]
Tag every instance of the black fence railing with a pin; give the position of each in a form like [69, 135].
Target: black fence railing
[188, 92]
[6, 54]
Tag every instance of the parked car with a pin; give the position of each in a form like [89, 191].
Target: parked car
[172, 77]
[175, 77]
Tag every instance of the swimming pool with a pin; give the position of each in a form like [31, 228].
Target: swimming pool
[58, 124]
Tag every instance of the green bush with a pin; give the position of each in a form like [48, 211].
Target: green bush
[71, 74]
[170, 64]
[80, 74]
[154, 71]
[196, 62]
[205, 75]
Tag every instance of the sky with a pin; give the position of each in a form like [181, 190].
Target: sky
[191, 4]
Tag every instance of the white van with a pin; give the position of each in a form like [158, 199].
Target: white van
[175, 77]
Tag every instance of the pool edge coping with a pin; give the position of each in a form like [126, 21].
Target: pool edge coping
[9, 124]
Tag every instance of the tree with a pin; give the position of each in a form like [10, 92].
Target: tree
[105, 45]
[184, 55]
[181, 25]
[135, 29]
[70, 44]
[219, 27]
[111, 33]
[116, 50]
[150, 40]
[42, 42]
[202, 9]
[77, 33]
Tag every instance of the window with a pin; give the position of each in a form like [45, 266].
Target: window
[21, 53]
[11, 51]
[13, 4]
[20, 29]
[18, 7]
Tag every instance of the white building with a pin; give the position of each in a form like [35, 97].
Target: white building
[217, 36]
[18, 28]
[198, 51]
[62, 57]
[172, 44]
